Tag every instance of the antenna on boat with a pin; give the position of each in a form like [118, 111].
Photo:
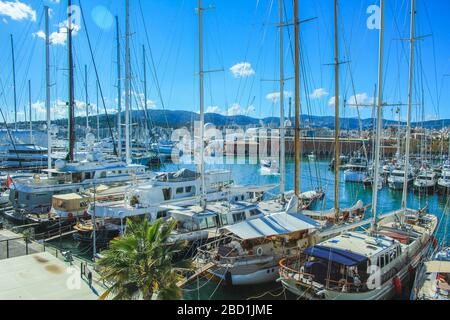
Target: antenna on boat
[144, 66]
[30, 107]
[71, 102]
[410, 96]
[119, 91]
[127, 82]
[376, 177]
[87, 97]
[14, 81]
[47, 87]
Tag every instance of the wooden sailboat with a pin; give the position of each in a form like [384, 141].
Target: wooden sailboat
[372, 264]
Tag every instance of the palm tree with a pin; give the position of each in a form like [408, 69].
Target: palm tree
[140, 265]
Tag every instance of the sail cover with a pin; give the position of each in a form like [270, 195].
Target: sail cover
[272, 225]
[179, 176]
[343, 257]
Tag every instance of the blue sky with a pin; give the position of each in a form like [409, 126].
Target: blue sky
[241, 41]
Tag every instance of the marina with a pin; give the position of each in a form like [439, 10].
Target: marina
[109, 190]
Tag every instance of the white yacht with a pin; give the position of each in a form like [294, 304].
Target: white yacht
[444, 182]
[22, 156]
[356, 170]
[269, 167]
[183, 187]
[397, 178]
[426, 180]
[34, 195]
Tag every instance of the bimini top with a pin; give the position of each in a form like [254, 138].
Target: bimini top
[343, 257]
[276, 224]
[179, 176]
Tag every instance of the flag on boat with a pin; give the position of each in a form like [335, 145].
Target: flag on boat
[8, 181]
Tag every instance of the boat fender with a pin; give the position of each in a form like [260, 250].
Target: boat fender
[397, 282]
[259, 251]
[435, 243]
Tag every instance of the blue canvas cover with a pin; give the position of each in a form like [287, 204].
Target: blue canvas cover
[343, 257]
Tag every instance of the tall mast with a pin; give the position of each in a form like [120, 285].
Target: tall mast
[410, 97]
[127, 82]
[202, 95]
[98, 112]
[119, 91]
[47, 87]
[297, 99]
[144, 62]
[376, 177]
[30, 110]
[14, 81]
[336, 99]
[71, 102]
[87, 97]
[282, 128]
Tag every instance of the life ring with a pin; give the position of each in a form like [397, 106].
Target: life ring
[259, 251]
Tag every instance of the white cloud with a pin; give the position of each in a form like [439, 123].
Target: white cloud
[319, 93]
[236, 110]
[17, 10]
[39, 34]
[59, 37]
[360, 99]
[275, 96]
[233, 110]
[214, 109]
[243, 69]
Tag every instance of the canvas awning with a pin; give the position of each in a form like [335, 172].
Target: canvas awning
[276, 224]
[343, 257]
[438, 266]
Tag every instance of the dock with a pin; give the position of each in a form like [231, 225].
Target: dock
[198, 273]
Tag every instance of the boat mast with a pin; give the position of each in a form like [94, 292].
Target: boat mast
[410, 97]
[119, 90]
[282, 126]
[87, 98]
[202, 96]
[14, 82]
[144, 62]
[98, 112]
[376, 177]
[29, 105]
[127, 82]
[297, 99]
[47, 87]
[71, 102]
[337, 153]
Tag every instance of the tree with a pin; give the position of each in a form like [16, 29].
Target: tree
[140, 264]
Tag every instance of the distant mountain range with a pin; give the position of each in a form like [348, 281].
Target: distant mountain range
[178, 119]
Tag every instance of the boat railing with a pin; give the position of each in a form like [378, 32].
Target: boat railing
[288, 272]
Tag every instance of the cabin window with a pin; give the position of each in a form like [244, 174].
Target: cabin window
[161, 214]
[203, 224]
[386, 259]
[381, 263]
[224, 220]
[103, 174]
[167, 194]
[180, 190]
[188, 189]
[254, 212]
[238, 217]
[211, 221]
[88, 175]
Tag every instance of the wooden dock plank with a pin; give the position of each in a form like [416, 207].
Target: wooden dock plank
[198, 273]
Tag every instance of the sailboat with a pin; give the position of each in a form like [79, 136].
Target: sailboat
[371, 264]
[34, 195]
